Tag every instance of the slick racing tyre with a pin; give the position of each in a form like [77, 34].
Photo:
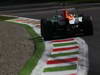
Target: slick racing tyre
[45, 29]
[87, 25]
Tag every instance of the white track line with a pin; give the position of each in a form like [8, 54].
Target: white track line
[67, 51]
[67, 46]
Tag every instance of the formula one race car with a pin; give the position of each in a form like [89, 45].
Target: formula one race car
[68, 24]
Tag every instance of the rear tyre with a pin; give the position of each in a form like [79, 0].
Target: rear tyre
[88, 26]
[45, 29]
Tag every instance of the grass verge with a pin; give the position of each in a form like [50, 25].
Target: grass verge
[39, 49]
[2, 18]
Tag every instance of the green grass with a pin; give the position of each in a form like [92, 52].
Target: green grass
[2, 18]
[39, 49]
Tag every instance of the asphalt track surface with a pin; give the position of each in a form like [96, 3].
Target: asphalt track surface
[92, 41]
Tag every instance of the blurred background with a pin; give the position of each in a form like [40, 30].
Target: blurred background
[14, 2]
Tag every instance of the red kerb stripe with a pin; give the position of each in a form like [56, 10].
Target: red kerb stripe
[62, 61]
[73, 74]
[62, 40]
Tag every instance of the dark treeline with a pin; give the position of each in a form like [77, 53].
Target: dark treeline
[24, 1]
[16, 2]
[12, 2]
